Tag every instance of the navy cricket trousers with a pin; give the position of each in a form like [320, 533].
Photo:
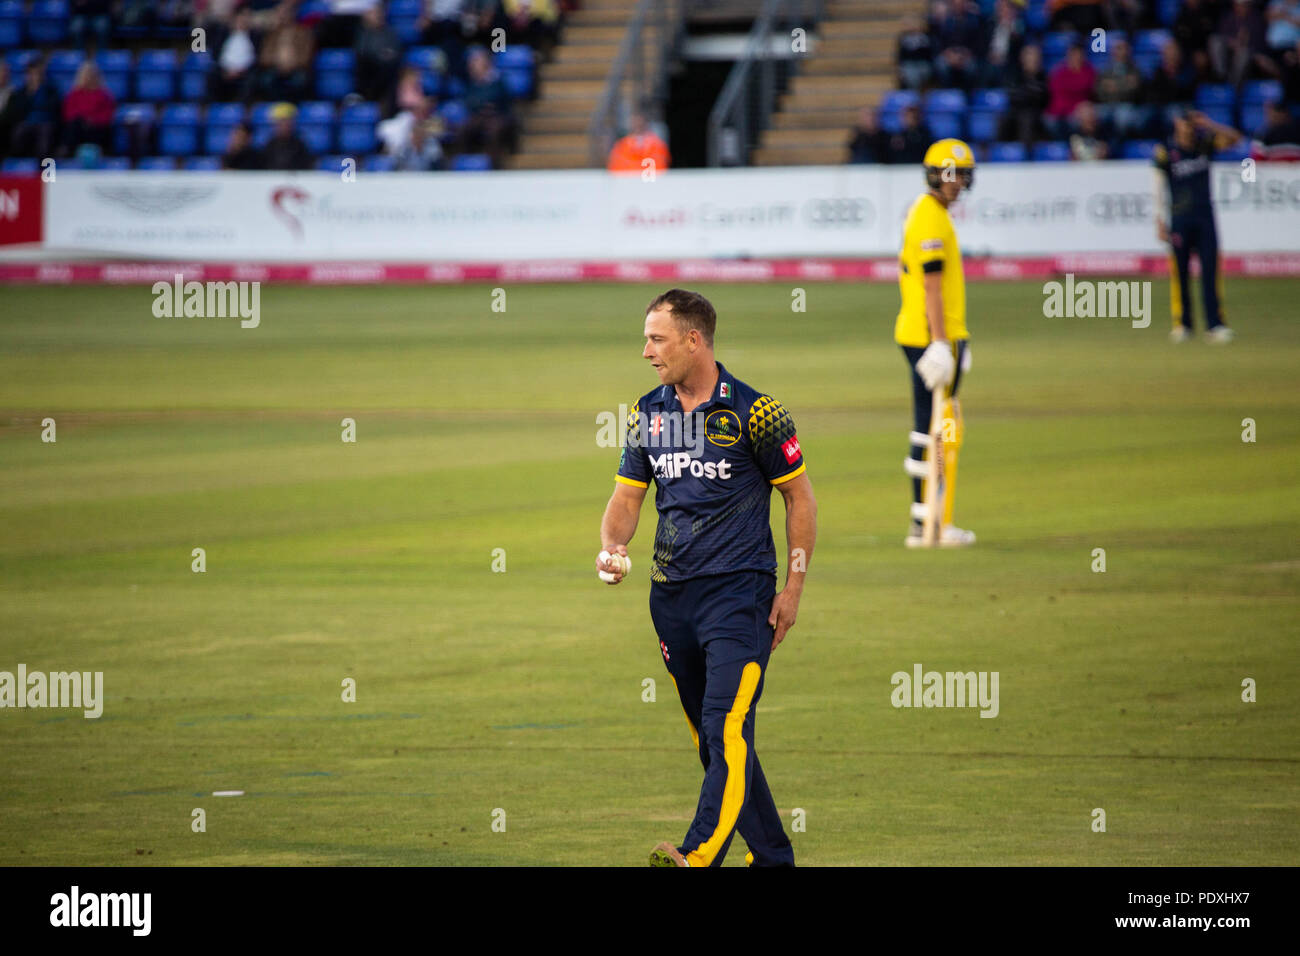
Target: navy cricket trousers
[1187, 235]
[715, 641]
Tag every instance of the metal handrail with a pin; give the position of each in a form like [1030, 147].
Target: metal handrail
[745, 105]
[648, 80]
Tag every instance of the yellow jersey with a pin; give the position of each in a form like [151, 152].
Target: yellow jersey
[929, 243]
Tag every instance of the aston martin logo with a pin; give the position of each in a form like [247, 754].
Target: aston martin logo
[155, 200]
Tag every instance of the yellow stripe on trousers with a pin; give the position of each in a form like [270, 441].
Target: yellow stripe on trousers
[1175, 292]
[735, 753]
[695, 736]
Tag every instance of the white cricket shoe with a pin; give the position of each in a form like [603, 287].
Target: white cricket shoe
[1219, 335]
[950, 537]
[1180, 335]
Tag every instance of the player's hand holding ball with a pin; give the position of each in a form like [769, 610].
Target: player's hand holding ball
[613, 566]
[936, 365]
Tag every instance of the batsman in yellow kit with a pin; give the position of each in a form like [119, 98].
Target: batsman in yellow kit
[931, 328]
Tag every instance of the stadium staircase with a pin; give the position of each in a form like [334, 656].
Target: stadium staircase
[554, 131]
[851, 66]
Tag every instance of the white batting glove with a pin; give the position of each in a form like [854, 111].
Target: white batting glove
[936, 365]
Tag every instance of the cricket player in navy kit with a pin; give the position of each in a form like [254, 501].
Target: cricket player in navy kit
[715, 448]
[1185, 219]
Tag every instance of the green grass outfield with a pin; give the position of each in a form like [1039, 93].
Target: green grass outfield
[522, 690]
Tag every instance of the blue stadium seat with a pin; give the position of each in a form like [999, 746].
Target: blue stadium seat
[222, 118]
[125, 116]
[194, 76]
[1053, 151]
[312, 11]
[1147, 63]
[427, 58]
[379, 163]
[20, 166]
[1252, 117]
[156, 163]
[1261, 91]
[61, 69]
[950, 101]
[1220, 114]
[454, 114]
[11, 23]
[405, 8]
[115, 68]
[332, 164]
[357, 128]
[335, 71]
[519, 83]
[1138, 149]
[472, 162]
[47, 22]
[178, 129]
[1099, 58]
[453, 87]
[229, 113]
[1167, 11]
[1215, 94]
[113, 164]
[1150, 41]
[403, 15]
[984, 125]
[201, 163]
[945, 125]
[155, 75]
[1055, 45]
[316, 112]
[516, 57]
[989, 100]
[1007, 153]
[18, 60]
[895, 100]
[1036, 18]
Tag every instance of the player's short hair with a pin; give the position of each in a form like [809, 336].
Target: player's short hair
[690, 310]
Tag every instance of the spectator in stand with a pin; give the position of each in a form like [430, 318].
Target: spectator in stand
[532, 22]
[8, 108]
[1086, 141]
[409, 94]
[90, 23]
[1280, 129]
[339, 27]
[240, 153]
[285, 150]
[958, 34]
[1195, 24]
[37, 109]
[630, 153]
[87, 110]
[1070, 83]
[398, 136]
[233, 77]
[446, 24]
[379, 57]
[287, 49]
[1119, 93]
[1237, 48]
[1027, 98]
[484, 15]
[1283, 28]
[216, 18]
[1124, 15]
[867, 145]
[1004, 42]
[1082, 16]
[915, 55]
[1174, 82]
[1290, 67]
[491, 123]
[422, 153]
[908, 145]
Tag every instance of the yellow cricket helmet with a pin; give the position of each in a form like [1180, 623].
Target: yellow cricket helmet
[945, 154]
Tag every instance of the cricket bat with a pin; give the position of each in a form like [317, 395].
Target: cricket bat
[930, 527]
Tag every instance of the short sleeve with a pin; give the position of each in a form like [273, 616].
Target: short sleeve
[774, 441]
[930, 239]
[633, 468]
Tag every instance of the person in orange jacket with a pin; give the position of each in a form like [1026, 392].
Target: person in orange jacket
[630, 152]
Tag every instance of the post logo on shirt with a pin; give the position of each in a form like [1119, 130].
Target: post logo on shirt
[680, 464]
[791, 449]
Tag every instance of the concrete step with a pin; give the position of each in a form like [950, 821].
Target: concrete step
[831, 42]
[801, 156]
[816, 119]
[552, 143]
[573, 70]
[605, 52]
[577, 34]
[832, 100]
[792, 138]
[598, 18]
[568, 123]
[570, 160]
[839, 65]
[847, 85]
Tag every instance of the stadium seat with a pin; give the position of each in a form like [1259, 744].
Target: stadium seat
[945, 125]
[1220, 114]
[18, 60]
[20, 166]
[61, 69]
[1167, 11]
[948, 101]
[516, 57]
[126, 116]
[357, 128]
[984, 125]
[1052, 151]
[47, 22]
[895, 100]
[194, 76]
[155, 163]
[1007, 153]
[1261, 91]
[1099, 58]
[1252, 118]
[155, 76]
[332, 164]
[1055, 45]
[1036, 19]
[115, 67]
[379, 163]
[312, 11]
[1215, 94]
[403, 15]
[178, 129]
[1150, 41]
[1138, 149]
[989, 100]
[112, 164]
[1235, 153]
[222, 118]
[201, 163]
[11, 23]
[335, 71]
[427, 58]
[1147, 63]
[472, 162]
[454, 114]
[519, 83]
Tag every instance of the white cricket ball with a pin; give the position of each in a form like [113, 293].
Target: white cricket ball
[618, 559]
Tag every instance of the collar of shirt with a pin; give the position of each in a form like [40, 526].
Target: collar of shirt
[724, 393]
